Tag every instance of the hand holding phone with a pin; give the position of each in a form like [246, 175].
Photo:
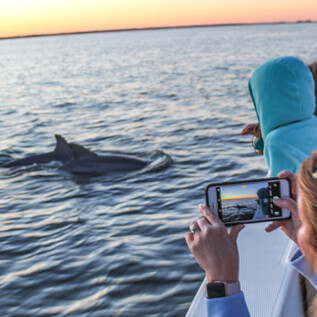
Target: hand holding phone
[215, 249]
[291, 226]
[249, 201]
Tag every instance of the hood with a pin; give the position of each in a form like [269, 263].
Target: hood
[282, 91]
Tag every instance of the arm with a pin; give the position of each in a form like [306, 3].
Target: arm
[228, 306]
[303, 266]
[216, 252]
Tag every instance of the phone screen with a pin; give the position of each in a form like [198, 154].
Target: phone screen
[248, 201]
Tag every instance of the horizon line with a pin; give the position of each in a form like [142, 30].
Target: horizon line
[239, 197]
[155, 28]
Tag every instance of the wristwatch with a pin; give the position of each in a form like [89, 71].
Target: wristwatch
[222, 289]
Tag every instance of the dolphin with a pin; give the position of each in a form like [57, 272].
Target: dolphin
[62, 153]
[77, 159]
[87, 162]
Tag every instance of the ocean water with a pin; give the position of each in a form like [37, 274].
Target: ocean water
[239, 209]
[113, 245]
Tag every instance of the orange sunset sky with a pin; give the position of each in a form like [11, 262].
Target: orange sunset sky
[34, 17]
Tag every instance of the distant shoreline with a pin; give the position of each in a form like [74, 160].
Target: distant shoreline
[157, 28]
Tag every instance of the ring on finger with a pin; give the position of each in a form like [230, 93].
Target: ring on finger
[193, 230]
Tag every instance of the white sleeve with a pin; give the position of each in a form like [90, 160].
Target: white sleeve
[303, 266]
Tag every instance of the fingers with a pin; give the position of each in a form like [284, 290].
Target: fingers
[203, 223]
[292, 177]
[246, 130]
[194, 226]
[189, 237]
[235, 230]
[287, 203]
[210, 216]
[273, 226]
[249, 129]
[287, 174]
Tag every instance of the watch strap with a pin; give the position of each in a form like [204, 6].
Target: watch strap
[221, 289]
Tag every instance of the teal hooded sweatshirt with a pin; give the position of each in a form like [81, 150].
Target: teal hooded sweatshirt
[283, 94]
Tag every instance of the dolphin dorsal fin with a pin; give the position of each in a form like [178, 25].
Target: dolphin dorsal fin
[62, 149]
[80, 151]
[60, 141]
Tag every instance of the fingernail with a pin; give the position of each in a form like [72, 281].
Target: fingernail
[276, 200]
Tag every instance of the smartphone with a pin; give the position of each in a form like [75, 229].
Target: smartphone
[248, 201]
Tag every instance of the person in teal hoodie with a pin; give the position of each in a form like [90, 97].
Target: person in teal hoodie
[313, 68]
[283, 94]
[282, 91]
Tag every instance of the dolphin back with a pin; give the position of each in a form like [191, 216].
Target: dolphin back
[80, 151]
[62, 153]
[78, 160]
[103, 164]
[30, 160]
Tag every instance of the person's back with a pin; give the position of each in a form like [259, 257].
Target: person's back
[288, 146]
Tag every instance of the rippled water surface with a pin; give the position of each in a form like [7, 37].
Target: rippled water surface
[113, 245]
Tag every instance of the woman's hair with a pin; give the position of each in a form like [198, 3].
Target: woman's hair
[256, 137]
[307, 184]
[313, 68]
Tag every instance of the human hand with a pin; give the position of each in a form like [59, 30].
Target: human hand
[293, 179]
[214, 249]
[289, 226]
[249, 129]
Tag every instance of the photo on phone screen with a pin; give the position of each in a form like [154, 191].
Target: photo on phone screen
[249, 201]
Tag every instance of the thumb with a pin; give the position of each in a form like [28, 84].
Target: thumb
[287, 203]
[235, 230]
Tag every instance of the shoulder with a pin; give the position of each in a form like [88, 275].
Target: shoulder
[298, 138]
[300, 129]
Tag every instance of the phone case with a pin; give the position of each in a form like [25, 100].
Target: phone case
[258, 208]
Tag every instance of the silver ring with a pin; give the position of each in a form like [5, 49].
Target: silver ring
[193, 230]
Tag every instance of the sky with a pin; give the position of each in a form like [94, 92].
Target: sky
[34, 17]
[241, 191]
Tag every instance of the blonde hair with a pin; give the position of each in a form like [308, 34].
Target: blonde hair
[307, 184]
[256, 135]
